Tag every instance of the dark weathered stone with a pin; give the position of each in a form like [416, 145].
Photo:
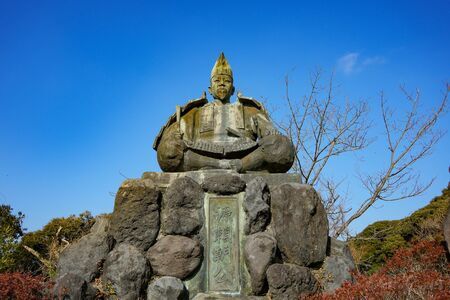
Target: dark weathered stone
[73, 287]
[300, 224]
[101, 224]
[337, 266]
[256, 206]
[167, 288]
[81, 262]
[288, 282]
[175, 255]
[225, 184]
[333, 273]
[127, 270]
[203, 296]
[85, 257]
[183, 203]
[182, 221]
[184, 192]
[446, 227]
[259, 254]
[339, 248]
[163, 180]
[135, 219]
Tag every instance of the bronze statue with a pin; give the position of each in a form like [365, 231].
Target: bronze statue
[221, 135]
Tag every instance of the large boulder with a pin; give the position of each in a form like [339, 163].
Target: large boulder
[175, 255]
[167, 288]
[85, 257]
[446, 227]
[73, 287]
[135, 219]
[204, 296]
[300, 224]
[182, 207]
[256, 206]
[337, 266]
[224, 184]
[101, 224]
[289, 282]
[259, 253]
[127, 271]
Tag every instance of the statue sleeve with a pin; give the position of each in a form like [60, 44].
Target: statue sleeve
[265, 126]
[171, 149]
[278, 150]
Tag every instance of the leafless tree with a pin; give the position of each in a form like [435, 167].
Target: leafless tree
[408, 139]
[321, 129]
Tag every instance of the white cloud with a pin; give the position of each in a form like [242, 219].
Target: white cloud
[351, 62]
[348, 62]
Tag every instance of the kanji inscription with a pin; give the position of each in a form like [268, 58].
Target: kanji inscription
[223, 244]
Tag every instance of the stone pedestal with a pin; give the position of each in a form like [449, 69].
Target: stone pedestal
[223, 271]
[163, 180]
[211, 234]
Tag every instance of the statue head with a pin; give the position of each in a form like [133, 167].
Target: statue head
[221, 80]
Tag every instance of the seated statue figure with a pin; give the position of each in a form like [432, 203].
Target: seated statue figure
[222, 135]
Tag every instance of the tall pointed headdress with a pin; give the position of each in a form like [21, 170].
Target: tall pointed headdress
[221, 67]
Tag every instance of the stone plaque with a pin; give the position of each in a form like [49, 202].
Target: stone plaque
[223, 245]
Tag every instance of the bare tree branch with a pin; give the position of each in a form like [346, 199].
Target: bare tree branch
[407, 144]
[321, 129]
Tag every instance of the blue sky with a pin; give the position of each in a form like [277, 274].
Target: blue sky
[86, 85]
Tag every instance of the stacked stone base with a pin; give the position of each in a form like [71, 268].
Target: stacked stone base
[204, 235]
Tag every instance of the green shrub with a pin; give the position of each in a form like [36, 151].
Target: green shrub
[379, 241]
[10, 232]
[49, 241]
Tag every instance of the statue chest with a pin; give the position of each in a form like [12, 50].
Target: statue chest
[221, 124]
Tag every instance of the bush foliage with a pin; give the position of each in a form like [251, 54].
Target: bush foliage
[10, 232]
[48, 242]
[379, 241]
[418, 272]
[23, 286]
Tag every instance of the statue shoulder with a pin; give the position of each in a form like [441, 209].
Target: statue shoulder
[191, 104]
[251, 102]
[194, 103]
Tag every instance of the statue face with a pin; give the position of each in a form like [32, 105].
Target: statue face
[221, 87]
